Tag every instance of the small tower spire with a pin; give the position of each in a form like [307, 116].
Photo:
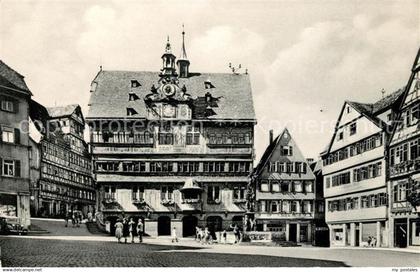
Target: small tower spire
[183, 62]
[183, 51]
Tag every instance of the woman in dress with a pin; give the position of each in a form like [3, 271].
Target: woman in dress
[118, 230]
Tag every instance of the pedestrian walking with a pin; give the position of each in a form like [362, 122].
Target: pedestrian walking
[174, 236]
[197, 234]
[73, 219]
[224, 236]
[79, 219]
[140, 230]
[236, 233]
[66, 219]
[126, 229]
[118, 230]
[131, 229]
[206, 235]
[90, 216]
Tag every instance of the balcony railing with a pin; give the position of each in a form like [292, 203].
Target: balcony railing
[405, 167]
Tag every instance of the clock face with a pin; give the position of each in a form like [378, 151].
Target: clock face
[168, 89]
[168, 111]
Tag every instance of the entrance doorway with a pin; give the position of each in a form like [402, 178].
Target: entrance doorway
[214, 223]
[164, 225]
[357, 238]
[401, 233]
[189, 223]
[292, 232]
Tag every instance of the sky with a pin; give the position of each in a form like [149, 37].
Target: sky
[305, 58]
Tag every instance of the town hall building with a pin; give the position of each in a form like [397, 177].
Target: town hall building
[172, 148]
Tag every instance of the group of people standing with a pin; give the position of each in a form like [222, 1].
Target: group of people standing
[75, 217]
[206, 236]
[125, 229]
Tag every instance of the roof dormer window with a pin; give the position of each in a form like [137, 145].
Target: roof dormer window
[135, 83]
[132, 97]
[131, 112]
[208, 84]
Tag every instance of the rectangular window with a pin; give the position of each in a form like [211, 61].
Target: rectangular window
[7, 105]
[7, 134]
[213, 193]
[340, 136]
[8, 168]
[274, 206]
[239, 193]
[275, 187]
[353, 128]
[193, 135]
[264, 186]
[263, 207]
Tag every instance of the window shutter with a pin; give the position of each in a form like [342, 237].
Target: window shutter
[16, 106]
[17, 168]
[17, 136]
[1, 135]
[1, 166]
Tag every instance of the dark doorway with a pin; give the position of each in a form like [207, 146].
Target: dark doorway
[215, 224]
[292, 232]
[164, 225]
[189, 223]
[357, 237]
[401, 233]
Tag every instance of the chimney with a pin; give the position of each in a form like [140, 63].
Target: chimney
[271, 136]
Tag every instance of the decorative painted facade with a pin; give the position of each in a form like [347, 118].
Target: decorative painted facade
[172, 148]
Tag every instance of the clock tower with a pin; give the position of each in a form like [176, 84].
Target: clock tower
[168, 59]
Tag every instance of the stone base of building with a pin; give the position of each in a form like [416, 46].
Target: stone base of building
[359, 234]
[16, 208]
[299, 231]
[58, 208]
[162, 224]
[404, 230]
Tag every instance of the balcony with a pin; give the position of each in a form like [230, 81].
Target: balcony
[404, 168]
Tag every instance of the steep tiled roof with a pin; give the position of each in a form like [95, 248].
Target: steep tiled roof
[387, 101]
[373, 110]
[266, 156]
[61, 111]
[110, 97]
[13, 77]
